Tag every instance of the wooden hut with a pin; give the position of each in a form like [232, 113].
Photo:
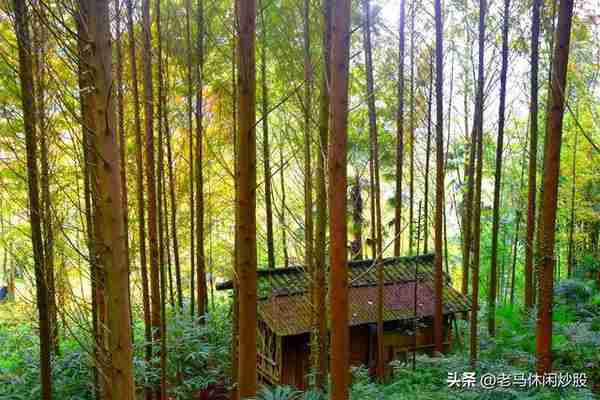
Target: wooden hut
[286, 314]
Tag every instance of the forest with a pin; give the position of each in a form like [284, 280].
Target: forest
[299, 199]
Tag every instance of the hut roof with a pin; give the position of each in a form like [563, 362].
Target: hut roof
[286, 308]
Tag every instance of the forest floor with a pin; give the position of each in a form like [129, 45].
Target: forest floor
[199, 358]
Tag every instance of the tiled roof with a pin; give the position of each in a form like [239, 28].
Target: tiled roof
[286, 308]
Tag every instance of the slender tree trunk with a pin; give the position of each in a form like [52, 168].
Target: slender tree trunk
[338, 282]
[39, 66]
[493, 288]
[308, 175]
[375, 194]
[357, 219]
[122, 142]
[155, 310]
[200, 254]
[399, 136]
[411, 184]
[478, 129]
[517, 231]
[162, 243]
[88, 128]
[265, 149]
[235, 329]
[246, 199]
[439, 180]
[107, 191]
[533, 148]
[190, 91]
[139, 186]
[282, 223]
[571, 255]
[547, 226]
[22, 26]
[320, 231]
[427, 159]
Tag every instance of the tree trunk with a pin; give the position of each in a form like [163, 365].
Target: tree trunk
[162, 243]
[571, 255]
[107, 191]
[200, 254]
[122, 142]
[282, 223]
[155, 310]
[22, 25]
[439, 180]
[493, 288]
[246, 199]
[139, 186]
[399, 136]
[533, 145]
[411, 184]
[265, 149]
[547, 224]
[478, 130]
[375, 193]
[320, 235]
[308, 175]
[39, 63]
[190, 91]
[357, 219]
[338, 281]
[427, 159]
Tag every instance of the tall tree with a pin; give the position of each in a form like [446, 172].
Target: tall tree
[571, 255]
[411, 183]
[190, 111]
[200, 253]
[139, 185]
[22, 26]
[439, 178]
[493, 280]
[375, 185]
[478, 143]
[155, 309]
[265, 148]
[533, 149]
[399, 135]
[321, 199]
[547, 223]
[428, 157]
[308, 138]
[338, 281]
[107, 191]
[246, 197]
[39, 66]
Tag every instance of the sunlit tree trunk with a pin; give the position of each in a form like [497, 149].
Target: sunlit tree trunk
[547, 223]
[246, 198]
[107, 191]
[22, 26]
[308, 138]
